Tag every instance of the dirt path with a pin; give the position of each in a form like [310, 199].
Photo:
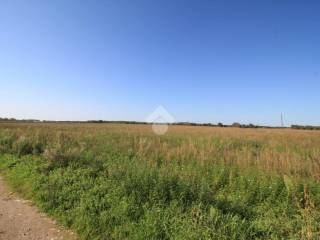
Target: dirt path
[20, 220]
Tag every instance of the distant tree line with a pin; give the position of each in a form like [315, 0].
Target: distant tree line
[236, 124]
[119, 122]
[16, 120]
[308, 127]
[8, 119]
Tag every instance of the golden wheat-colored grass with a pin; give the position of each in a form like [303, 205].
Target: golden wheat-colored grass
[284, 151]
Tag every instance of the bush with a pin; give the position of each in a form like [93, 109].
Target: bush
[22, 146]
[7, 138]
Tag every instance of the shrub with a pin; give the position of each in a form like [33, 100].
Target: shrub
[7, 138]
[22, 146]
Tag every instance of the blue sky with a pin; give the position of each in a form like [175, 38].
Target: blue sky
[204, 61]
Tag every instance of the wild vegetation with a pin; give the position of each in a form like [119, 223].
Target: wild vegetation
[305, 127]
[120, 181]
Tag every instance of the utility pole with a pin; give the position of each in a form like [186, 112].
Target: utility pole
[282, 123]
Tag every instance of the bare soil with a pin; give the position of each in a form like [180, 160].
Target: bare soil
[20, 220]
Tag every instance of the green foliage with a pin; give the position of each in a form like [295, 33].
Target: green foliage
[115, 186]
[305, 127]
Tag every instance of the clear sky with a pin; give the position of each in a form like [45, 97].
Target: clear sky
[203, 60]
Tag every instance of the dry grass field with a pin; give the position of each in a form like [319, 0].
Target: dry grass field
[121, 181]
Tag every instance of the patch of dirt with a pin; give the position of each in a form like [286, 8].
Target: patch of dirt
[20, 220]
